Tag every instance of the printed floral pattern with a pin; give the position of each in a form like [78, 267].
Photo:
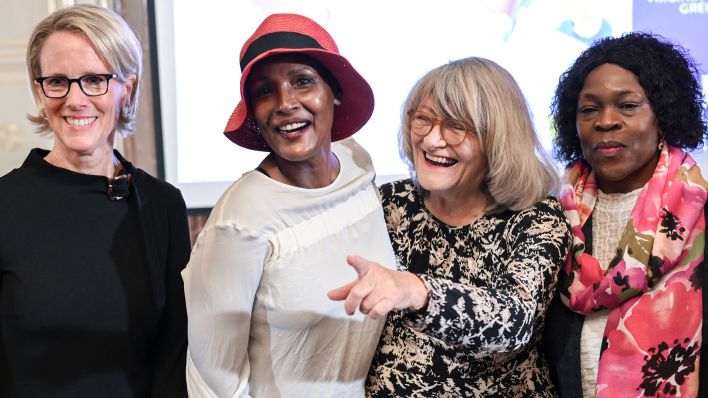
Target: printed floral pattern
[653, 334]
[490, 283]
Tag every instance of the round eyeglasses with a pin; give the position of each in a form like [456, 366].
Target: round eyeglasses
[92, 85]
[452, 131]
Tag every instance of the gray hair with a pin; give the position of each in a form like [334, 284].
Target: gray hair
[111, 37]
[484, 95]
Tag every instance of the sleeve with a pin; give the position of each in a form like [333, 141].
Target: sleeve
[502, 318]
[221, 281]
[169, 350]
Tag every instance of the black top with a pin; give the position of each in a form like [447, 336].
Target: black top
[490, 283]
[91, 299]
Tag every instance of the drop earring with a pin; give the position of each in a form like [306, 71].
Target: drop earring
[43, 114]
[661, 145]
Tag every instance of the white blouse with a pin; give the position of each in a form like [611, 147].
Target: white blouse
[609, 219]
[260, 321]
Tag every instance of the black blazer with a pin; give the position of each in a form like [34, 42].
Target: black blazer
[163, 220]
[561, 336]
[164, 233]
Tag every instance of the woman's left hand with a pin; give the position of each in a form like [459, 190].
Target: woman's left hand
[379, 290]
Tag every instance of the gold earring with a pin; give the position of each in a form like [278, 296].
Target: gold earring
[661, 145]
[43, 114]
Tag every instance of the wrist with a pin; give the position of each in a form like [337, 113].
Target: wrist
[421, 296]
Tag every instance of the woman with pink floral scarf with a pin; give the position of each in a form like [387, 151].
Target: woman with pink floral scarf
[628, 319]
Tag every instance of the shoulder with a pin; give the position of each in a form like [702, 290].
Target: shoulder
[155, 188]
[548, 206]
[400, 192]
[248, 198]
[18, 176]
[351, 154]
[15, 185]
[543, 217]
[17, 182]
[11, 179]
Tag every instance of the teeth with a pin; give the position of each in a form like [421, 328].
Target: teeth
[84, 121]
[292, 126]
[440, 159]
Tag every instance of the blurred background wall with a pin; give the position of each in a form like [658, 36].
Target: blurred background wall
[17, 136]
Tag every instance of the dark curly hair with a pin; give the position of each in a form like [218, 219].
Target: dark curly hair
[666, 72]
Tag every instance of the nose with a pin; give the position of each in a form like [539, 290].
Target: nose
[287, 99]
[608, 118]
[434, 138]
[75, 96]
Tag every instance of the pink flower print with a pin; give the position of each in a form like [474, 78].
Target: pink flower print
[652, 353]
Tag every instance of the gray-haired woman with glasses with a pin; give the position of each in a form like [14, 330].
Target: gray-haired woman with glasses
[91, 248]
[477, 240]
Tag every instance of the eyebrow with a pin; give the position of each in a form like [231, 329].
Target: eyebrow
[620, 94]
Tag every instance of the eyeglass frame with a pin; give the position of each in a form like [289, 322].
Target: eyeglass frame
[443, 123]
[108, 77]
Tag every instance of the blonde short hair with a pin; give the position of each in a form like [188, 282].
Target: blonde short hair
[111, 37]
[484, 95]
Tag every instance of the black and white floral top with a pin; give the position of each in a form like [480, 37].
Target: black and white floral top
[490, 283]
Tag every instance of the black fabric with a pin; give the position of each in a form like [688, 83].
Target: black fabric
[275, 40]
[91, 298]
[561, 339]
[476, 338]
[703, 378]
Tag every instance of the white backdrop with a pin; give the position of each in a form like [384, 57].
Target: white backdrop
[391, 43]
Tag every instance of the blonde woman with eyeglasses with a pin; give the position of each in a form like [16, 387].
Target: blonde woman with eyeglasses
[477, 240]
[91, 247]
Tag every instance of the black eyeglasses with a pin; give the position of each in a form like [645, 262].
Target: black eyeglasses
[92, 85]
[453, 131]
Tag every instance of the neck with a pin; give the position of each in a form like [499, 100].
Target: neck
[456, 209]
[101, 163]
[318, 172]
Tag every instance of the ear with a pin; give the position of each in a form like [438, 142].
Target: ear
[39, 94]
[128, 85]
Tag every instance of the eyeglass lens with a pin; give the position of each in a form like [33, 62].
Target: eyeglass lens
[453, 131]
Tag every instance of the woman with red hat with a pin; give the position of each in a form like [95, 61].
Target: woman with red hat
[260, 322]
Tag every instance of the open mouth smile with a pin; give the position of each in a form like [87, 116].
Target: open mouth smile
[440, 161]
[292, 127]
[81, 121]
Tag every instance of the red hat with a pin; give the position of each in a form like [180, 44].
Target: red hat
[292, 33]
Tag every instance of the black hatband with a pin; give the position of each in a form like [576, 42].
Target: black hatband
[275, 40]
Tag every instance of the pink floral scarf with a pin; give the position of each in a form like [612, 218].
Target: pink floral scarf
[652, 339]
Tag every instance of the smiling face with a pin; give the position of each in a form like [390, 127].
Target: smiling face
[293, 106]
[617, 129]
[82, 125]
[444, 169]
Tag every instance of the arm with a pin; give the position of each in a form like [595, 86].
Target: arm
[502, 318]
[221, 281]
[483, 318]
[170, 346]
